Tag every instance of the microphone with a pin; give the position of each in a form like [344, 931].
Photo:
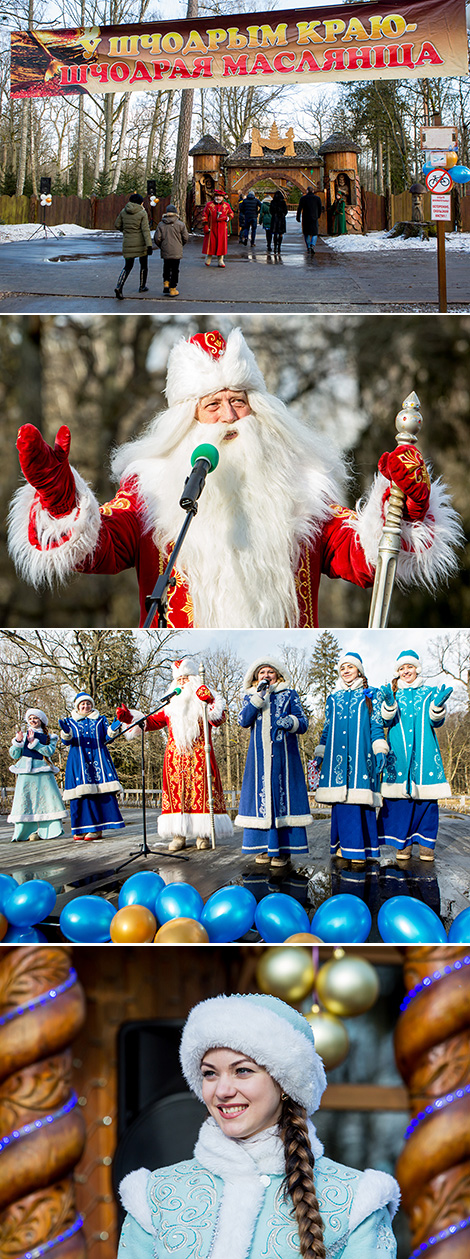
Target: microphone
[203, 460]
[166, 698]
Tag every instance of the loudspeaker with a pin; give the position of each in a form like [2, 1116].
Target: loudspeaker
[45, 185]
[151, 187]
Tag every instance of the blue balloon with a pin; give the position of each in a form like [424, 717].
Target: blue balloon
[143, 888]
[178, 900]
[405, 920]
[24, 935]
[460, 930]
[29, 903]
[87, 919]
[7, 884]
[279, 916]
[342, 919]
[427, 166]
[460, 174]
[228, 914]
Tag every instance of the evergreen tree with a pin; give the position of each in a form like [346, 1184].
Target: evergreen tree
[323, 671]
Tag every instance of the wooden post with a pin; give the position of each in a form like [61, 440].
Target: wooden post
[432, 1049]
[441, 265]
[37, 1199]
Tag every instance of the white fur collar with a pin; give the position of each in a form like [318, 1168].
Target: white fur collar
[409, 686]
[76, 716]
[354, 686]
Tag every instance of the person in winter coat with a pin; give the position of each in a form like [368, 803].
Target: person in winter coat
[37, 810]
[216, 218]
[250, 210]
[351, 753]
[309, 209]
[274, 808]
[170, 237]
[259, 1182]
[132, 221]
[278, 219]
[338, 211]
[90, 777]
[414, 778]
[265, 220]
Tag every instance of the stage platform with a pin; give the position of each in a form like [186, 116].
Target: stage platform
[79, 868]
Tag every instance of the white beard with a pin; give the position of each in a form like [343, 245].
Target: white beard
[270, 492]
[185, 712]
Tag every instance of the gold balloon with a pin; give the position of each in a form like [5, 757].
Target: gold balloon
[451, 160]
[286, 973]
[134, 924]
[303, 937]
[331, 1037]
[182, 931]
[3, 926]
[347, 986]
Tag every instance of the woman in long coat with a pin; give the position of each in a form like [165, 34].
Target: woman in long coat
[90, 776]
[274, 808]
[414, 778]
[216, 218]
[37, 811]
[259, 1182]
[278, 219]
[351, 752]
[132, 221]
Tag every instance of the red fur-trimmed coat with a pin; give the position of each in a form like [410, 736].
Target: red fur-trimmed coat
[185, 800]
[215, 219]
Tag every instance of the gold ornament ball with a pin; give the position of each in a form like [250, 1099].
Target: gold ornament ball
[451, 160]
[303, 937]
[331, 1037]
[134, 924]
[286, 973]
[182, 931]
[347, 986]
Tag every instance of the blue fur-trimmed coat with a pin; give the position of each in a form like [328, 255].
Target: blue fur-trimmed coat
[413, 768]
[234, 1207]
[274, 791]
[89, 770]
[349, 743]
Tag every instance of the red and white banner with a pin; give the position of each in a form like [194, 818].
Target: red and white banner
[420, 39]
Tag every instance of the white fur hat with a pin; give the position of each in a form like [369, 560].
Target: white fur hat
[36, 712]
[352, 657]
[265, 1029]
[273, 663]
[207, 363]
[408, 657]
[81, 695]
[185, 668]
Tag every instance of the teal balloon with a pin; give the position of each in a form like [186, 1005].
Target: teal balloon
[460, 930]
[405, 920]
[179, 900]
[279, 916]
[460, 174]
[142, 888]
[343, 919]
[24, 935]
[228, 914]
[7, 884]
[29, 903]
[427, 166]
[87, 919]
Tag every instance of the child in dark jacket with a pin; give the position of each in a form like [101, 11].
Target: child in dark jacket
[170, 237]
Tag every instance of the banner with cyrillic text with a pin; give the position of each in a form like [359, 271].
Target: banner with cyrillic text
[421, 39]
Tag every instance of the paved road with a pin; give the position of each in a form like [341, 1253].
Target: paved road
[78, 274]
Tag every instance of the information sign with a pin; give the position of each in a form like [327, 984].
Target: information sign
[440, 207]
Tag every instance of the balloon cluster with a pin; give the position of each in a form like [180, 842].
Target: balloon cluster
[150, 910]
[22, 906]
[343, 988]
[459, 174]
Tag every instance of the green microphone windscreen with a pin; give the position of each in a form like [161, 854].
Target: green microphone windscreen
[206, 452]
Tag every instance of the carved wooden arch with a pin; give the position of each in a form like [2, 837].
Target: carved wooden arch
[252, 175]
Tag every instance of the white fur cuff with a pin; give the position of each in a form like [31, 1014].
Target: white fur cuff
[437, 713]
[133, 1195]
[387, 712]
[380, 745]
[64, 542]
[215, 711]
[427, 557]
[320, 750]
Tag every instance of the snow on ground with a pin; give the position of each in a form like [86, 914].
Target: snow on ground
[12, 232]
[455, 241]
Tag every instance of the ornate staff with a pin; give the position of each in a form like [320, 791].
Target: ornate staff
[407, 423]
[207, 751]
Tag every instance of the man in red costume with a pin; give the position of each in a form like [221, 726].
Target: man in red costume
[216, 217]
[269, 522]
[185, 800]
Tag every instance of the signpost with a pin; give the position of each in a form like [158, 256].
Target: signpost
[440, 142]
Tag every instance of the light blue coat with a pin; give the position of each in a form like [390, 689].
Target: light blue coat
[350, 740]
[413, 768]
[179, 1208]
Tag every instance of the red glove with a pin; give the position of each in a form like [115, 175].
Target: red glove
[123, 714]
[407, 469]
[47, 470]
[203, 693]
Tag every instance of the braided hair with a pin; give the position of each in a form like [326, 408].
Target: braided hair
[298, 1180]
[369, 704]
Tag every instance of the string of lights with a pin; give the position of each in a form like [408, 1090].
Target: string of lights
[54, 1241]
[27, 1128]
[440, 1237]
[429, 980]
[43, 999]
[437, 1105]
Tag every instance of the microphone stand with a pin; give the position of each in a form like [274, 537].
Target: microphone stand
[159, 597]
[144, 850]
